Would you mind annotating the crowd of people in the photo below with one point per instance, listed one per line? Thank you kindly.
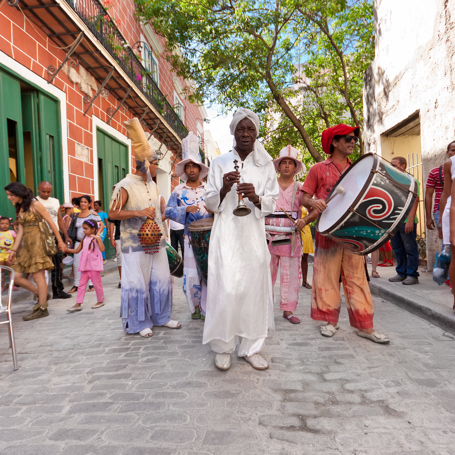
(236, 298)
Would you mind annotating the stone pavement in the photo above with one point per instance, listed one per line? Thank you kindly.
(83, 387)
(426, 299)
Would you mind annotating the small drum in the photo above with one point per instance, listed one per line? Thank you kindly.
(376, 199)
(175, 261)
(200, 238)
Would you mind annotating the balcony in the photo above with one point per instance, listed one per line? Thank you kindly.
(91, 38)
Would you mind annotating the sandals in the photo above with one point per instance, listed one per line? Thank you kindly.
(375, 337)
(73, 309)
(97, 305)
(292, 319)
(91, 289)
(172, 324)
(307, 285)
(146, 333)
(388, 263)
(329, 330)
(72, 290)
(375, 275)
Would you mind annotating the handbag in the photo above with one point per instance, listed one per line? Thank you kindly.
(48, 238)
(72, 229)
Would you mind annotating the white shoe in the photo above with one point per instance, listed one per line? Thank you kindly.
(172, 324)
(257, 361)
(223, 361)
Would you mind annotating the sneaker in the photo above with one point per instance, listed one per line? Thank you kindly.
(411, 280)
(36, 314)
(62, 295)
(397, 279)
(104, 261)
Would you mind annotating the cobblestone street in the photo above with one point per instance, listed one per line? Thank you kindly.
(83, 387)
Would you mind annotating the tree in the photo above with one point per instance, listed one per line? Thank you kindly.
(298, 63)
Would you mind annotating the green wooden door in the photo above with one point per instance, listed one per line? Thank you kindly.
(11, 138)
(112, 167)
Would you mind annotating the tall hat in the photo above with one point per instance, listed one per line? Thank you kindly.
(337, 130)
(286, 153)
(190, 154)
(143, 152)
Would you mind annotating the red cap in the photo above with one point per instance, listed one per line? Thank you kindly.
(337, 130)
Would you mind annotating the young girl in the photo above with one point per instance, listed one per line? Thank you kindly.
(7, 237)
(90, 265)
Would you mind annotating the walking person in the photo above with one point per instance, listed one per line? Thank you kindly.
(404, 242)
(146, 280)
(32, 257)
(98, 206)
(186, 205)
(52, 205)
(239, 285)
(84, 214)
(286, 258)
(90, 264)
(331, 260)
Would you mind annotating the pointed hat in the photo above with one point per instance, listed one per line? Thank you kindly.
(143, 152)
(190, 154)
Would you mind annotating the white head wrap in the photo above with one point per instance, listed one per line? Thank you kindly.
(261, 156)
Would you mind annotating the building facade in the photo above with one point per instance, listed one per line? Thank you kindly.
(409, 91)
(71, 72)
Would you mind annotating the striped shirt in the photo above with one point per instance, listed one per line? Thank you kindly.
(434, 181)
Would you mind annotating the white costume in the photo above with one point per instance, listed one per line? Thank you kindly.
(446, 214)
(239, 291)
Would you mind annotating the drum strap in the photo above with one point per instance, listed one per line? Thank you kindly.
(294, 192)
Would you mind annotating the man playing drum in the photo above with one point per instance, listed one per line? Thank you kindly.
(332, 260)
(186, 205)
(286, 257)
(239, 291)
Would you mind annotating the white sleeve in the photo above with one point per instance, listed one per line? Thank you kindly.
(213, 188)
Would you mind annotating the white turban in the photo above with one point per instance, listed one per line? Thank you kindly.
(261, 156)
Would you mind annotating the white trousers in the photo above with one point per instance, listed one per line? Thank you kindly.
(246, 347)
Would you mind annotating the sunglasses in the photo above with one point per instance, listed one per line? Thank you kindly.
(349, 139)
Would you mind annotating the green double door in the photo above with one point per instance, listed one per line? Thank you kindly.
(112, 167)
(30, 131)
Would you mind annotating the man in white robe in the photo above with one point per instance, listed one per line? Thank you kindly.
(239, 291)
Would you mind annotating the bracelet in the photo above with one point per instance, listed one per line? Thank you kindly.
(258, 204)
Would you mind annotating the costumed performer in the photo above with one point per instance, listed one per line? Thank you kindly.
(331, 259)
(286, 258)
(186, 205)
(146, 281)
(239, 292)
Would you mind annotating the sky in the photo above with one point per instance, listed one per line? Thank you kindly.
(219, 127)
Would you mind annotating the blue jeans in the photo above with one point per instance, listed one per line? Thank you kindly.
(406, 252)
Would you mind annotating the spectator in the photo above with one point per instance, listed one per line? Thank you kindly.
(32, 257)
(404, 242)
(435, 186)
(98, 206)
(177, 231)
(52, 205)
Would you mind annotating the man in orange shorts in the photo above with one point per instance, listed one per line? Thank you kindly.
(331, 260)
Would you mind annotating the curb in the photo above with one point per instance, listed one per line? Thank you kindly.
(445, 322)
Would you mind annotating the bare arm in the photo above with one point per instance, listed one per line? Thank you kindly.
(17, 243)
(447, 189)
(120, 214)
(45, 214)
(62, 226)
(317, 204)
(75, 251)
(100, 243)
(111, 234)
(163, 208)
(428, 204)
(410, 223)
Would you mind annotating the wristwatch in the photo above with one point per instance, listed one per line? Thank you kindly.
(258, 204)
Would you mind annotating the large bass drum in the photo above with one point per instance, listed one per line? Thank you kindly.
(377, 198)
(200, 231)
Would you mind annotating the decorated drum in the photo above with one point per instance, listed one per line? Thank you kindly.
(200, 238)
(376, 199)
(175, 261)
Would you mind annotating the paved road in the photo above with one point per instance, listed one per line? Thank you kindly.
(83, 387)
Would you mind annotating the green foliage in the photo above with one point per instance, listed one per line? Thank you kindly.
(298, 64)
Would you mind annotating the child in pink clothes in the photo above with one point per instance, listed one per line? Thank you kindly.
(90, 265)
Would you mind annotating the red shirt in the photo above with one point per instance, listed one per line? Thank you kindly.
(434, 181)
(322, 177)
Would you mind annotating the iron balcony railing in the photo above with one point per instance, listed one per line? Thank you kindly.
(103, 26)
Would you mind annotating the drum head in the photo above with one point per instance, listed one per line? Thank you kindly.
(204, 224)
(353, 182)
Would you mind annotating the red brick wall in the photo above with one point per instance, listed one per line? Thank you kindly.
(31, 48)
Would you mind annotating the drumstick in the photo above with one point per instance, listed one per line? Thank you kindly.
(290, 217)
(338, 190)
